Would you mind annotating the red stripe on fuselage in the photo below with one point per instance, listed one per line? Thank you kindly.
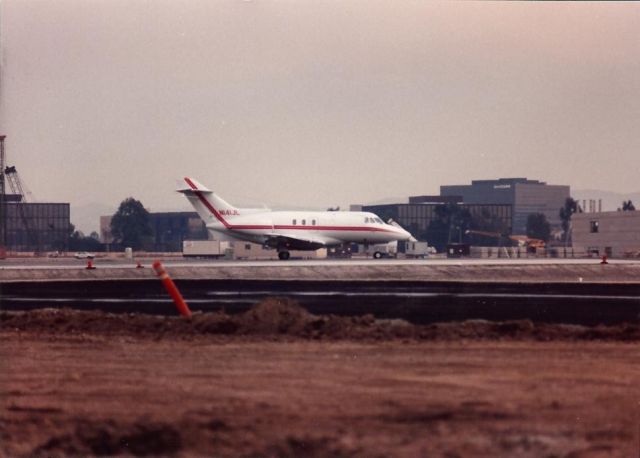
(246, 227)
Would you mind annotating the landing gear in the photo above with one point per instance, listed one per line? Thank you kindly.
(283, 255)
(377, 255)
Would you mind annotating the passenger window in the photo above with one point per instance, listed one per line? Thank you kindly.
(294, 222)
(313, 222)
(304, 222)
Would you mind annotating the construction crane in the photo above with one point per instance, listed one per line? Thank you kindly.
(10, 174)
(16, 184)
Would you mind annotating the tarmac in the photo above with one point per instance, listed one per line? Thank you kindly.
(431, 270)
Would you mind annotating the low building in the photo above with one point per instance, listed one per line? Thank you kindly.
(614, 234)
(37, 227)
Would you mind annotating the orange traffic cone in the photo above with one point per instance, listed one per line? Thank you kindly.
(604, 260)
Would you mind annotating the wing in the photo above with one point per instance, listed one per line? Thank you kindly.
(296, 242)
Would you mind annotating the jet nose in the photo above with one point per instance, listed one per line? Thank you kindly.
(403, 234)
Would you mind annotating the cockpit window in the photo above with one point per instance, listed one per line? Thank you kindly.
(366, 220)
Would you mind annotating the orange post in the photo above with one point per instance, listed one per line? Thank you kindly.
(604, 260)
(171, 288)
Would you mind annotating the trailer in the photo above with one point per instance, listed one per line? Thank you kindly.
(205, 248)
(417, 249)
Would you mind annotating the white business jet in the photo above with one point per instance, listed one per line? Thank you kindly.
(288, 230)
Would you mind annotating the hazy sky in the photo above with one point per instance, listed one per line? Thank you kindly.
(316, 102)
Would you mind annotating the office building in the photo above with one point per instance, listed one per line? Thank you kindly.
(525, 196)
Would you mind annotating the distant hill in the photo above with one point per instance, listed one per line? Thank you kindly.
(611, 201)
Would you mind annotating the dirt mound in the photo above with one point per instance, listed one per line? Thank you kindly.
(275, 316)
(111, 438)
(281, 317)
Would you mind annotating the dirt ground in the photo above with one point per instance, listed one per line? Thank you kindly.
(277, 381)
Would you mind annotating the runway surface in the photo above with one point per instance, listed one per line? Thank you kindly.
(128, 264)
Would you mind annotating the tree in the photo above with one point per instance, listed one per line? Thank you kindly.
(538, 227)
(570, 207)
(130, 224)
(79, 242)
(491, 224)
(449, 225)
(627, 206)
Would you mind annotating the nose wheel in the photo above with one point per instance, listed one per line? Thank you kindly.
(283, 255)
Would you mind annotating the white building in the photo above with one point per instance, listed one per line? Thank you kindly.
(615, 234)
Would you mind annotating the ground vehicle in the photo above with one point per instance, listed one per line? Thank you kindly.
(383, 250)
(418, 249)
(84, 255)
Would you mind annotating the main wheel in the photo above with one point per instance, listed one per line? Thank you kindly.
(283, 255)
(377, 255)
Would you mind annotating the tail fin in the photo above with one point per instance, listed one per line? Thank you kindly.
(209, 206)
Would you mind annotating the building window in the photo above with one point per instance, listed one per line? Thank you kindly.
(247, 246)
(594, 226)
